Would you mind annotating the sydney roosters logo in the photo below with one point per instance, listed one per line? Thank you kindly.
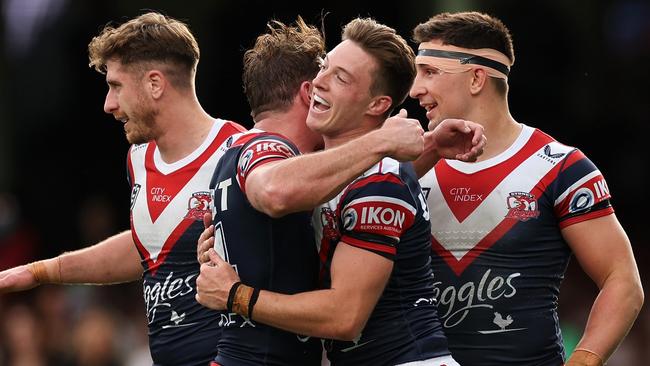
(198, 205)
(329, 222)
(522, 206)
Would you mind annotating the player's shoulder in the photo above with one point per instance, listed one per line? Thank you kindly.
(548, 141)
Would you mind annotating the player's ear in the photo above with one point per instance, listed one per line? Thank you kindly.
(305, 93)
(155, 83)
(479, 78)
(379, 105)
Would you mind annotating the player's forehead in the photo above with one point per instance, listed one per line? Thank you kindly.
(351, 58)
(117, 72)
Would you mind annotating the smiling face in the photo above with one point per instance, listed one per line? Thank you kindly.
(129, 103)
(442, 94)
(341, 91)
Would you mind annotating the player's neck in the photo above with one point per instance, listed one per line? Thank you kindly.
(290, 124)
(501, 129)
(183, 127)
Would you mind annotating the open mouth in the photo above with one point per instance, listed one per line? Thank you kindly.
(320, 104)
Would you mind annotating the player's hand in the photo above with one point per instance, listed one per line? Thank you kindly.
(214, 282)
(206, 240)
(404, 136)
(457, 139)
(19, 278)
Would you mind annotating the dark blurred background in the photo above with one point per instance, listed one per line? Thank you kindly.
(580, 75)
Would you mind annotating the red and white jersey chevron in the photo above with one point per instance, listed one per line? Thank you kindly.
(498, 254)
(167, 206)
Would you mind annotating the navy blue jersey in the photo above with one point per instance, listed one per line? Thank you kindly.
(274, 254)
(498, 252)
(384, 211)
(167, 206)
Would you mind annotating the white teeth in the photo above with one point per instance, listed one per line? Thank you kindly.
(321, 100)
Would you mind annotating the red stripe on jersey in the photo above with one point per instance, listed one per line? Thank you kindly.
(464, 192)
(458, 266)
(588, 216)
(375, 247)
(163, 188)
(259, 153)
(575, 156)
(375, 178)
(166, 248)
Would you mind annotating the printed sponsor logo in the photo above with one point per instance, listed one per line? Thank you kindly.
(227, 320)
(456, 302)
(198, 205)
(522, 206)
(245, 160)
(273, 147)
(464, 194)
(134, 194)
(582, 200)
(159, 295)
(350, 218)
(549, 156)
(158, 195)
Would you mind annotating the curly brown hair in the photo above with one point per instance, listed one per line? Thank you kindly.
(279, 62)
(151, 38)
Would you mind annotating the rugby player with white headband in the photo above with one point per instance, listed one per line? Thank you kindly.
(524, 208)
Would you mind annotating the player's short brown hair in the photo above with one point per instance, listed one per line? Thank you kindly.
(394, 56)
(469, 30)
(279, 62)
(151, 38)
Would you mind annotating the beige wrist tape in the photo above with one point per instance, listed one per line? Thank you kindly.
(585, 357)
(242, 300)
(43, 274)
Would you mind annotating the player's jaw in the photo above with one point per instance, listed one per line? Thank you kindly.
(139, 127)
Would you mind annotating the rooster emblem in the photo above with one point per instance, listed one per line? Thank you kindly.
(500, 321)
(177, 318)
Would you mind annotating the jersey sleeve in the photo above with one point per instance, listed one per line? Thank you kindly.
(582, 193)
(260, 150)
(375, 212)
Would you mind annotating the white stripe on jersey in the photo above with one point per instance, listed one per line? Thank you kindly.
(576, 185)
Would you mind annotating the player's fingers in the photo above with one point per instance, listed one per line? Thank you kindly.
(207, 220)
(206, 234)
(203, 250)
(402, 113)
(215, 258)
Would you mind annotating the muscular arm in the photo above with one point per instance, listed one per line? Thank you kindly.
(113, 260)
(604, 252)
(303, 182)
(341, 312)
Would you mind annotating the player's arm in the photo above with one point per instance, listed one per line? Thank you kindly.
(604, 252)
(450, 139)
(340, 312)
(303, 182)
(113, 260)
